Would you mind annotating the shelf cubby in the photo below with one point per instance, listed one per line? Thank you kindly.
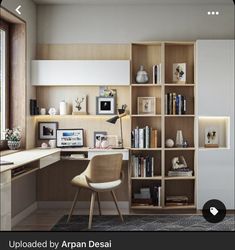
(142, 91)
(188, 156)
(157, 159)
(179, 53)
(146, 54)
(184, 187)
(186, 124)
(188, 93)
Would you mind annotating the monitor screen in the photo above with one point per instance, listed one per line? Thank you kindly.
(70, 138)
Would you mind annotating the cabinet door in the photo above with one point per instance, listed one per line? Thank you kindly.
(215, 79)
(80, 72)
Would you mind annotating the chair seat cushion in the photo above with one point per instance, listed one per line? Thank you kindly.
(80, 181)
(105, 185)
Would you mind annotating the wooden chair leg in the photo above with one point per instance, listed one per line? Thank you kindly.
(91, 209)
(73, 206)
(98, 199)
(115, 201)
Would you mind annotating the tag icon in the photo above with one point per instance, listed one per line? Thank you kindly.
(214, 211)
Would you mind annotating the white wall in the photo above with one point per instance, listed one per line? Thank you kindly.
(127, 23)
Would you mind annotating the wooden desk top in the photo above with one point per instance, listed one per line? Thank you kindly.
(24, 157)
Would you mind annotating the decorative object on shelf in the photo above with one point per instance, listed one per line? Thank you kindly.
(175, 104)
(121, 113)
(80, 105)
(52, 111)
(170, 143)
(63, 107)
(146, 105)
(44, 145)
(13, 137)
(179, 139)
(179, 168)
(52, 143)
(99, 137)
(142, 75)
(143, 197)
(70, 138)
(157, 78)
(107, 92)
(185, 144)
(43, 111)
(211, 137)
(178, 162)
(179, 72)
(47, 130)
(105, 105)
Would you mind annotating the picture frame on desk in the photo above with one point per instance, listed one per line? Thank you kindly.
(47, 130)
(105, 105)
(70, 138)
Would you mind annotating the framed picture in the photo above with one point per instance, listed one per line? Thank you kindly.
(211, 137)
(99, 137)
(47, 130)
(70, 138)
(105, 105)
(146, 105)
(80, 105)
(179, 72)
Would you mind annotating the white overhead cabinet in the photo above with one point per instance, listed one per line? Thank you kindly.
(215, 65)
(80, 72)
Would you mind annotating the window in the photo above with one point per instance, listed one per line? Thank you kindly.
(4, 93)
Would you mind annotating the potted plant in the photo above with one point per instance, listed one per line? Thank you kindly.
(13, 137)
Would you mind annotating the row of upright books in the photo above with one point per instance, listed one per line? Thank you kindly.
(175, 104)
(142, 166)
(144, 137)
(157, 78)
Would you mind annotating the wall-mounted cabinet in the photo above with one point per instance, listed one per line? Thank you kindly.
(80, 72)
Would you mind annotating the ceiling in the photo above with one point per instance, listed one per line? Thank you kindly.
(133, 1)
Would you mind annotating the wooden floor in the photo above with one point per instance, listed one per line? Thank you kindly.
(45, 219)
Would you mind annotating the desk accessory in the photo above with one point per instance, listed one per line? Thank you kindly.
(47, 130)
(70, 138)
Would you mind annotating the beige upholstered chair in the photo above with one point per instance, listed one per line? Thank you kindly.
(101, 175)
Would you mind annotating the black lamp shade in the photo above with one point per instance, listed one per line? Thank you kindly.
(113, 119)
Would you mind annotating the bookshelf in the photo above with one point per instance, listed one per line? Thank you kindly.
(164, 53)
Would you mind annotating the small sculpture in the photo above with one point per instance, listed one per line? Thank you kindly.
(178, 163)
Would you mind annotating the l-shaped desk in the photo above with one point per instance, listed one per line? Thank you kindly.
(28, 161)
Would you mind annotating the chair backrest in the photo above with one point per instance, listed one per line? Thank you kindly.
(104, 168)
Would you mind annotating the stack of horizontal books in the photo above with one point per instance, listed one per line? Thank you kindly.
(176, 200)
(180, 172)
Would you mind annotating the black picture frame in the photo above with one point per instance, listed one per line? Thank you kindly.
(110, 103)
(68, 145)
(45, 133)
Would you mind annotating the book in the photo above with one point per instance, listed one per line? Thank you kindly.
(141, 138)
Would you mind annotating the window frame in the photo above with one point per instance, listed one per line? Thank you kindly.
(6, 28)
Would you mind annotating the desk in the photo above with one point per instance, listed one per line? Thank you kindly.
(36, 159)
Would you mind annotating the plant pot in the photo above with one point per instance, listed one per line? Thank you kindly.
(13, 145)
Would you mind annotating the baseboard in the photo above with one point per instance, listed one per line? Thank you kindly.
(22, 215)
(85, 205)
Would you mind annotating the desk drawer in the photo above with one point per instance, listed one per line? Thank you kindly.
(125, 153)
(48, 160)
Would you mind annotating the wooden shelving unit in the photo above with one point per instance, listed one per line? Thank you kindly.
(165, 53)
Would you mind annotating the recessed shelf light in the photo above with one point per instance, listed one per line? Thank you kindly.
(208, 12)
(217, 13)
(212, 12)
